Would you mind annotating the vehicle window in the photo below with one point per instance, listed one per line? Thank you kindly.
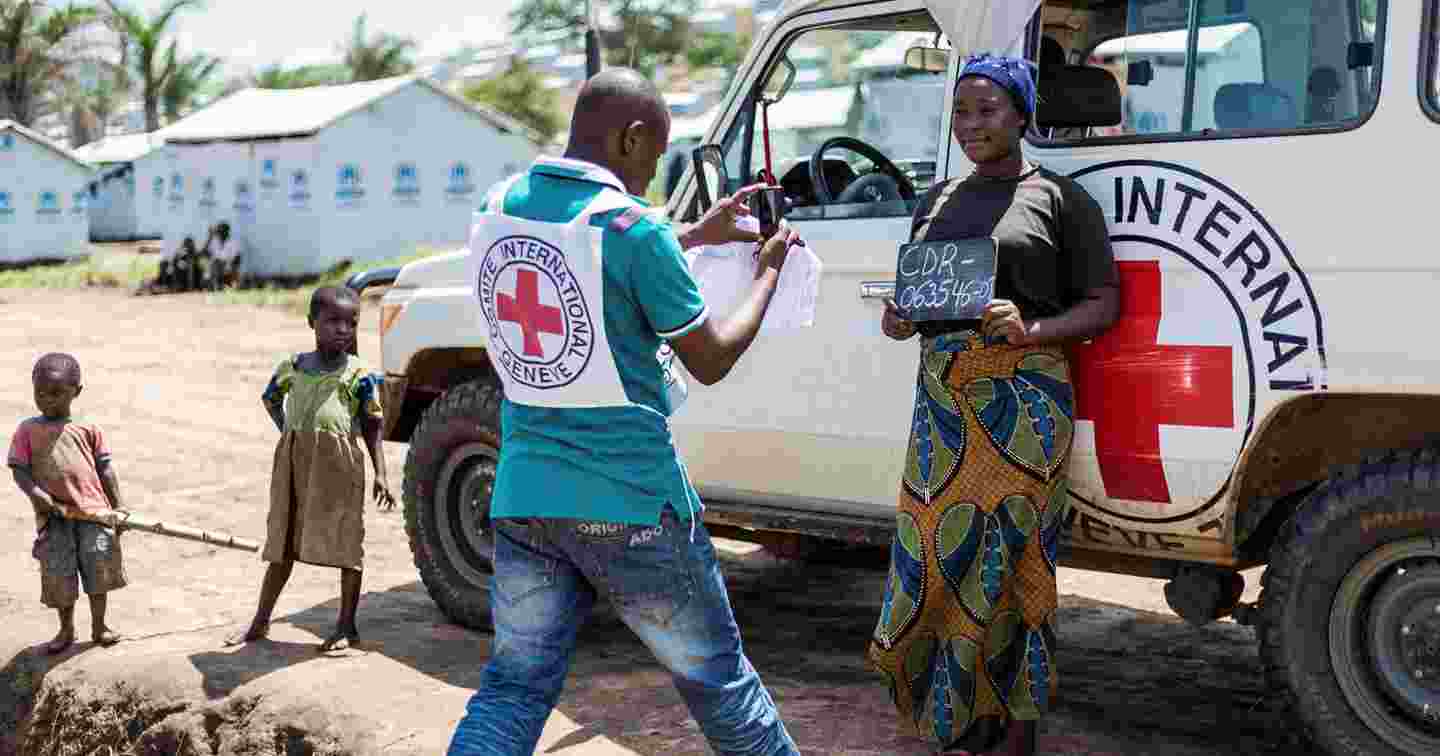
(849, 82)
(1239, 67)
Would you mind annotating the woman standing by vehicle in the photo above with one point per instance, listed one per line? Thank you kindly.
(966, 630)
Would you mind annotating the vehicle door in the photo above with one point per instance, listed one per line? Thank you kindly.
(818, 417)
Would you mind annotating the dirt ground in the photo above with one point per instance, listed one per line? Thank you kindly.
(175, 381)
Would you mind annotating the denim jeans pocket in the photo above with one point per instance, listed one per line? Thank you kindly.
(649, 578)
(521, 569)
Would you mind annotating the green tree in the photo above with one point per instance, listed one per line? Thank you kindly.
(520, 93)
(40, 50)
(144, 40)
(715, 50)
(279, 77)
(186, 87)
(645, 35)
(368, 58)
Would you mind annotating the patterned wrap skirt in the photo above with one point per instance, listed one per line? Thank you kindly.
(966, 635)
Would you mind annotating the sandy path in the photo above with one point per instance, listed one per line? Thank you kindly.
(175, 382)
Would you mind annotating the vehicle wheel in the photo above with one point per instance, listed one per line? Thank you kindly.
(1350, 610)
(449, 477)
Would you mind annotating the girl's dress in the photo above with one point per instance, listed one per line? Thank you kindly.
(319, 480)
(966, 634)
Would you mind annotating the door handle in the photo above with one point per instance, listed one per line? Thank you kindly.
(877, 289)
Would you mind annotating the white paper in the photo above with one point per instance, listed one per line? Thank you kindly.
(726, 273)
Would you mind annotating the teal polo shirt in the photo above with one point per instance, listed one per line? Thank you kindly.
(611, 464)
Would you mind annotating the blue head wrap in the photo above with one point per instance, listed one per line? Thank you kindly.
(1011, 74)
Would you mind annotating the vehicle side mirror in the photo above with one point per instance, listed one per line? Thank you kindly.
(1140, 73)
(711, 177)
(1360, 55)
(927, 59)
(779, 82)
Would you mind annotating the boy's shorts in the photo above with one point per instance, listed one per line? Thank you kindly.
(74, 553)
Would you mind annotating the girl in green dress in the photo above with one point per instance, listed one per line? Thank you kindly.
(324, 403)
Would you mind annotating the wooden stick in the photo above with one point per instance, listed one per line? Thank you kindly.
(122, 520)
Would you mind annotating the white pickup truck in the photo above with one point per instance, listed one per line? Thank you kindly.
(1267, 398)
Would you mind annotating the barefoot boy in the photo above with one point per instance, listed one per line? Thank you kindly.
(64, 466)
(324, 403)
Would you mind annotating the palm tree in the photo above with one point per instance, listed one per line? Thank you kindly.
(144, 40)
(369, 59)
(90, 106)
(185, 86)
(40, 48)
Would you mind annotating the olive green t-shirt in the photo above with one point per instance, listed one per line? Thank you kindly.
(1053, 243)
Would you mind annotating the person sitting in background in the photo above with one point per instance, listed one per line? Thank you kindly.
(166, 275)
(188, 268)
(224, 251)
(174, 266)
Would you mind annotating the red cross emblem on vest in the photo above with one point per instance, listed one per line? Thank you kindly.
(526, 310)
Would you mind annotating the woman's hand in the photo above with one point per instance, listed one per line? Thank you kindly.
(893, 324)
(1001, 320)
(383, 498)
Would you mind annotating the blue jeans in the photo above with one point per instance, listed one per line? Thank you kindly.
(666, 587)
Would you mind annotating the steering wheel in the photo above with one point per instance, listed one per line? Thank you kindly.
(886, 183)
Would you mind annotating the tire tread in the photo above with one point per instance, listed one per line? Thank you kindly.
(462, 402)
(1381, 483)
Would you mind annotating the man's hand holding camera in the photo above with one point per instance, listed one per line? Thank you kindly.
(720, 223)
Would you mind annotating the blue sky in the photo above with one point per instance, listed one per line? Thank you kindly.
(250, 33)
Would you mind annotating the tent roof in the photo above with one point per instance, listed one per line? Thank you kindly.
(812, 108)
(276, 113)
(891, 52)
(971, 25)
(125, 148)
(800, 109)
(43, 142)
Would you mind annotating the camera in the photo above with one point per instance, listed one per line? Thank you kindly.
(769, 206)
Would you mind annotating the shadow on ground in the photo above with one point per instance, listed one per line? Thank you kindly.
(1131, 682)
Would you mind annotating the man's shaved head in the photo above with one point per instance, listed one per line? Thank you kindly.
(621, 123)
(612, 100)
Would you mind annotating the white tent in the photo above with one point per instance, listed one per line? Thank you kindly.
(127, 197)
(994, 26)
(309, 177)
(43, 199)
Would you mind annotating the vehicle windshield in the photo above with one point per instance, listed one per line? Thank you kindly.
(851, 81)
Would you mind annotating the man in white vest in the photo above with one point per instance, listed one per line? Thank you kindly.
(581, 287)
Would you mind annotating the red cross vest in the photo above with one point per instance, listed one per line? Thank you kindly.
(542, 296)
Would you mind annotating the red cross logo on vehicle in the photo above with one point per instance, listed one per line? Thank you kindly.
(1218, 324)
(1128, 384)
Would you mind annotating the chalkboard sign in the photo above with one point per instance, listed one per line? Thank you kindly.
(945, 280)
